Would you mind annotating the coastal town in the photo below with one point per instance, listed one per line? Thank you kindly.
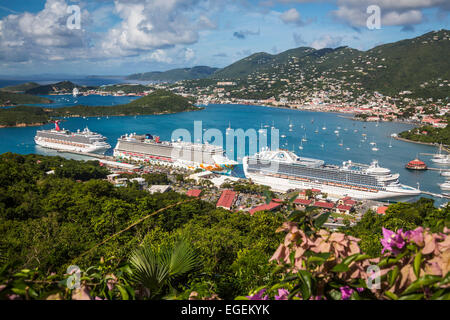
(237, 194)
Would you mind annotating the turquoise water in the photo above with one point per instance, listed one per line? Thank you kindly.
(20, 140)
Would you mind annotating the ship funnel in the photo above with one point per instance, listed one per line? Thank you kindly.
(57, 128)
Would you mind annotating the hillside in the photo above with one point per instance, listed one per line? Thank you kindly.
(158, 102)
(11, 99)
(199, 72)
(64, 87)
(413, 64)
(23, 116)
(21, 87)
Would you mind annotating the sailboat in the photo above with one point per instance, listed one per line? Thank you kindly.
(324, 127)
(304, 138)
(342, 143)
(261, 130)
(390, 143)
(228, 131)
(317, 130)
(301, 146)
(375, 147)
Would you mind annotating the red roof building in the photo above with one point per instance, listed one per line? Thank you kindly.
(324, 205)
(382, 210)
(265, 207)
(194, 193)
(344, 209)
(226, 199)
(302, 202)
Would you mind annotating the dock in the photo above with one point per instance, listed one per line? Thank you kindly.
(439, 169)
(437, 195)
(92, 155)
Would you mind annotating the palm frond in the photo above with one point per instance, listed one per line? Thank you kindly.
(156, 268)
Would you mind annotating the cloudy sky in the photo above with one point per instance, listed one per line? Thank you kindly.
(127, 36)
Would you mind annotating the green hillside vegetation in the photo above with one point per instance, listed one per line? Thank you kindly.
(199, 72)
(412, 64)
(49, 221)
(23, 115)
(74, 217)
(158, 102)
(10, 99)
(433, 135)
(65, 87)
(21, 87)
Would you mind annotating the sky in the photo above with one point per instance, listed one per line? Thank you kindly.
(121, 37)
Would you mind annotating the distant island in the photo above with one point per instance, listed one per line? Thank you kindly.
(13, 99)
(158, 102)
(199, 72)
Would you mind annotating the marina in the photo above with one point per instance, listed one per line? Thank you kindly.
(322, 145)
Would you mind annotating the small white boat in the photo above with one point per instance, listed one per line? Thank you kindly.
(445, 174)
(445, 186)
(445, 160)
(375, 149)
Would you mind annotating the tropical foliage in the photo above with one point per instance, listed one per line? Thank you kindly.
(70, 234)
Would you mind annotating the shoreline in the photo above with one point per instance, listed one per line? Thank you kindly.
(37, 124)
(433, 144)
(24, 125)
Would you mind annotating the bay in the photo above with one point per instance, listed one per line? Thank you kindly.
(325, 144)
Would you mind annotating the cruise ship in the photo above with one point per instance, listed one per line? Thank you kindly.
(146, 148)
(84, 141)
(283, 170)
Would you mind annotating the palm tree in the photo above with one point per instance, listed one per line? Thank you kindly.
(156, 269)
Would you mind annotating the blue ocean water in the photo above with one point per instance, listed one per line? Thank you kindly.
(324, 144)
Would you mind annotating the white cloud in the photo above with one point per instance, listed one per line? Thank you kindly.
(189, 54)
(27, 36)
(393, 13)
(290, 16)
(154, 24)
(327, 41)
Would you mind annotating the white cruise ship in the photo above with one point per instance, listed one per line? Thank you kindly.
(146, 148)
(84, 141)
(283, 170)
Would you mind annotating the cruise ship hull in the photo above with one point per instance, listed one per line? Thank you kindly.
(286, 184)
(182, 157)
(71, 147)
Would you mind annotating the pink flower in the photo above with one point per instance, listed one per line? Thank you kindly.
(259, 296)
(282, 294)
(392, 241)
(415, 236)
(346, 292)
